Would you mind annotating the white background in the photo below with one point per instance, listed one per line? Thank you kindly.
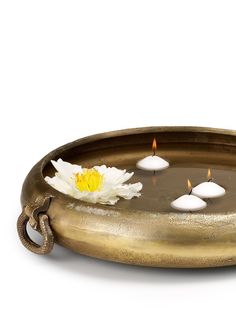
(74, 68)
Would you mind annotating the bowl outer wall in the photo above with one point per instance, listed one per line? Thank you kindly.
(180, 240)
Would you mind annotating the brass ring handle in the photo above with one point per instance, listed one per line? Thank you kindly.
(45, 229)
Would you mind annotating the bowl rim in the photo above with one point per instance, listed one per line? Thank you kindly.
(111, 134)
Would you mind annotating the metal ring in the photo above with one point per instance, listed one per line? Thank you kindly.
(45, 229)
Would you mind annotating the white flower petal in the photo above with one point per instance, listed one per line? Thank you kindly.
(65, 170)
(113, 176)
(129, 191)
(59, 184)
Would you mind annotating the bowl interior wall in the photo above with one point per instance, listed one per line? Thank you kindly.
(190, 155)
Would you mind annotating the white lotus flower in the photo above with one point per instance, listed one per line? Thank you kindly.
(100, 184)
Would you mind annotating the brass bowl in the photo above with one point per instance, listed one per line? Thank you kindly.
(146, 230)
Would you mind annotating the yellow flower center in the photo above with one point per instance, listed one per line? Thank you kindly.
(90, 180)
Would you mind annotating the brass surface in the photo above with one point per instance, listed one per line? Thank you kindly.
(147, 231)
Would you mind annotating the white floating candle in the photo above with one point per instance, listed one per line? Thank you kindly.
(188, 202)
(152, 162)
(208, 189)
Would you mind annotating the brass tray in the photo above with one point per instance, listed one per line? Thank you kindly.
(146, 230)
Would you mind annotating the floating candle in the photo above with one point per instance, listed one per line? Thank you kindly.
(188, 202)
(208, 189)
(152, 162)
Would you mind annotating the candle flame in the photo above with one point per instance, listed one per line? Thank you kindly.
(189, 186)
(209, 177)
(154, 146)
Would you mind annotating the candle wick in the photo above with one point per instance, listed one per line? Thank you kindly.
(190, 192)
(154, 153)
(210, 179)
